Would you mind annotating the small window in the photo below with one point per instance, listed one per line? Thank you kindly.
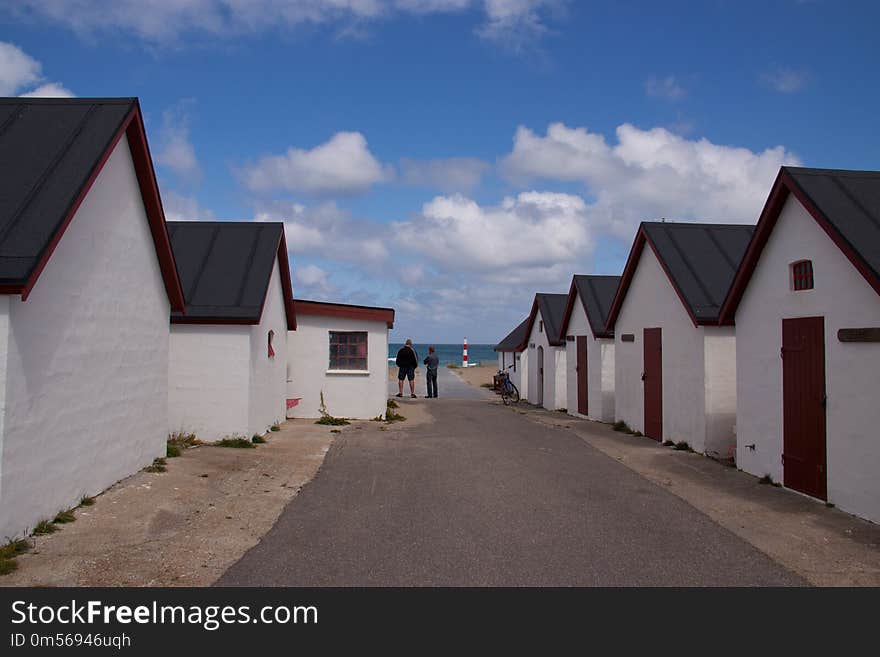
(802, 275)
(348, 350)
(540, 326)
(271, 350)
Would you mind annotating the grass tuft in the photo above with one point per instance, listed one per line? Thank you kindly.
(87, 501)
(391, 416)
(765, 480)
(682, 446)
(392, 404)
(64, 517)
(13, 548)
(235, 443)
(637, 434)
(668, 443)
(172, 451)
(332, 421)
(257, 439)
(158, 465)
(7, 566)
(274, 427)
(43, 528)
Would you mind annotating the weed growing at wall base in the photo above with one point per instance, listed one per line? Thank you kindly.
(236, 443)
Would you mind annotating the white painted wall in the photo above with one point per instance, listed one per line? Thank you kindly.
(688, 354)
(600, 369)
(352, 395)
(719, 361)
(521, 375)
(554, 387)
(268, 376)
(208, 380)
(86, 359)
(845, 299)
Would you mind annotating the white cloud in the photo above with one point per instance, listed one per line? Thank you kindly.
(17, 69)
(184, 208)
(50, 90)
(175, 148)
(531, 230)
(784, 80)
(667, 88)
(510, 23)
(326, 231)
(312, 282)
(517, 24)
(343, 165)
(19, 72)
(455, 174)
(649, 174)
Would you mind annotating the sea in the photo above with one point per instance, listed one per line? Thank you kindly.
(449, 353)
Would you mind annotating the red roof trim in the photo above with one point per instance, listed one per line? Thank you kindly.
(784, 185)
(286, 284)
(347, 311)
(569, 309)
(630, 270)
(133, 128)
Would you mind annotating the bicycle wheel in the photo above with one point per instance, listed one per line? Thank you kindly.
(513, 393)
(505, 395)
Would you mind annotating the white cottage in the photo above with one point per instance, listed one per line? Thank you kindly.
(808, 338)
(228, 368)
(87, 280)
(546, 372)
(513, 356)
(339, 351)
(589, 358)
(674, 366)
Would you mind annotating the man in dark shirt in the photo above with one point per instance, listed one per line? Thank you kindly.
(431, 362)
(407, 360)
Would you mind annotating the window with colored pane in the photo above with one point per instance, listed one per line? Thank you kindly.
(348, 350)
(802, 275)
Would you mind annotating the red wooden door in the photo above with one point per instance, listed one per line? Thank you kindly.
(803, 405)
(583, 404)
(653, 378)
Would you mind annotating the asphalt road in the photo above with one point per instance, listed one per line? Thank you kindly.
(483, 496)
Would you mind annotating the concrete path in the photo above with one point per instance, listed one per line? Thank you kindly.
(449, 386)
(483, 496)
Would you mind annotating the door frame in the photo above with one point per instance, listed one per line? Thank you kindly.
(797, 402)
(583, 397)
(539, 375)
(649, 377)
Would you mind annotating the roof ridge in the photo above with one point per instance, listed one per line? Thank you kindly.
(53, 164)
(249, 267)
(689, 267)
(198, 277)
(855, 201)
(12, 118)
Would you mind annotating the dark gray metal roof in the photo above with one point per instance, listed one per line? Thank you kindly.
(552, 307)
(48, 151)
(515, 340)
(850, 200)
(597, 294)
(224, 267)
(701, 261)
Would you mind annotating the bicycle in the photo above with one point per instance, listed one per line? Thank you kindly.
(509, 392)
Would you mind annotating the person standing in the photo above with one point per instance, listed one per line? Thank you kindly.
(407, 360)
(431, 363)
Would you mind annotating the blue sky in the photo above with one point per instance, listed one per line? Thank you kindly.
(452, 157)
